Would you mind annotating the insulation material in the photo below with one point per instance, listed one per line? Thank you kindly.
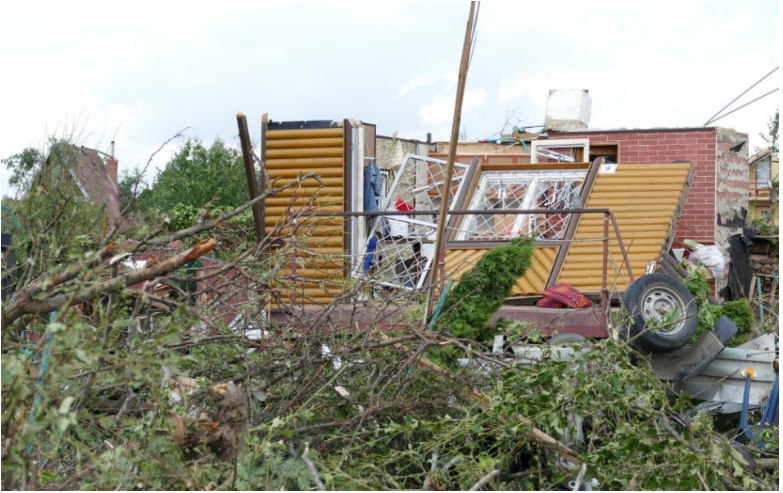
(459, 261)
(310, 262)
(646, 200)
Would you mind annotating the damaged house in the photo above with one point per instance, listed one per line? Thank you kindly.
(93, 172)
(650, 190)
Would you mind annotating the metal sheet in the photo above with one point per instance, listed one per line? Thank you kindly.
(722, 381)
(645, 219)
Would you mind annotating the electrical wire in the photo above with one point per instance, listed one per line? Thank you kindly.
(712, 119)
(737, 109)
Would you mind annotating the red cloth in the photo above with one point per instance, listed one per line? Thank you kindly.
(565, 295)
(549, 303)
(401, 206)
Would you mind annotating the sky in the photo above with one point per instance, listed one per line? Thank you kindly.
(140, 72)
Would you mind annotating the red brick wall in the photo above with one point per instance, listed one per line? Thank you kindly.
(697, 221)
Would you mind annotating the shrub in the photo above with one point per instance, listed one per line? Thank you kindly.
(481, 291)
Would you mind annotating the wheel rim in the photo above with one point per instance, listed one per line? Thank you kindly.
(664, 309)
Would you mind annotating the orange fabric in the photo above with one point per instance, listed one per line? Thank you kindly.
(567, 295)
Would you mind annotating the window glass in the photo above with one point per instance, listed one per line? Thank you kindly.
(522, 189)
(762, 174)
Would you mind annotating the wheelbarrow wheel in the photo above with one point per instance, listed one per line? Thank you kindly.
(663, 313)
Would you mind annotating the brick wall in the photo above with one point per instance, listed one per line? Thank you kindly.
(698, 218)
(732, 190)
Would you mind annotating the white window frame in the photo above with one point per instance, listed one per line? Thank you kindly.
(537, 145)
(522, 221)
(762, 184)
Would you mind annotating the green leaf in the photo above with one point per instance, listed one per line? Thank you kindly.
(12, 367)
(81, 356)
(65, 406)
(62, 423)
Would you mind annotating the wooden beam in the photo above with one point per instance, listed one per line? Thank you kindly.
(439, 252)
(250, 171)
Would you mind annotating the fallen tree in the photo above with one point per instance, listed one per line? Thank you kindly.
(142, 391)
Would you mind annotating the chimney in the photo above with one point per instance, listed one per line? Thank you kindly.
(112, 166)
(568, 109)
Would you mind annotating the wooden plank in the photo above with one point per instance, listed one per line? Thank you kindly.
(250, 172)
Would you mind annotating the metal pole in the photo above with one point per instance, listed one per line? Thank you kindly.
(622, 248)
(444, 205)
(250, 171)
(604, 272)
(458, 212)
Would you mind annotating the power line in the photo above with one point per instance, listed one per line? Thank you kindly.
(712, 119)
(737, 109)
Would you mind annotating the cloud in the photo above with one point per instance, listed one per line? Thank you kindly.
(649, 87)
(441, 109)
(417, 83)
(151, 69)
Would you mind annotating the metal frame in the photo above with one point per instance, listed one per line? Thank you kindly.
(608, 218)
(592, 172)
(531, 194)
(407, 161)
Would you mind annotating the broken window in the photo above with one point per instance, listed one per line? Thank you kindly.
(559, 151)
(763, 174)
(609, 151)
(522, 190)
(398, 250)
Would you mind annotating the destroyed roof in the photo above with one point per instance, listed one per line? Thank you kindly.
(632, 129)
(94, 181)
(528, 136)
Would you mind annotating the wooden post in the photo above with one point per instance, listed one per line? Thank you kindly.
(250, 171)
(439, 252)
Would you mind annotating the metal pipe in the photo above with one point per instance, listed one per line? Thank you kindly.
(761, 300)
(622, 247)
(457, 212)
(605, 273)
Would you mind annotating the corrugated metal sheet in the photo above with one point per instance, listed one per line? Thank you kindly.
(646, 200)
(458, 261)
(315, 273)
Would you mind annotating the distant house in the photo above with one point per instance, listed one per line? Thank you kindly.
(763, 171)
(93, 172)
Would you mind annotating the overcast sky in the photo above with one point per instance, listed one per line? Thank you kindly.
(138, 72)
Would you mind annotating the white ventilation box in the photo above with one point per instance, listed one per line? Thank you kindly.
(568, 109)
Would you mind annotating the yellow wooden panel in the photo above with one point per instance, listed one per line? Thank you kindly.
(308, 191)
(320, 253)
(459, 261)
(303, 153)
(316, 201)
(303, 165)
(305, 133)
(303, 143)
(645, 200)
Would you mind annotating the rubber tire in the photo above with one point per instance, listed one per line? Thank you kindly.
(565, 338)
(658, 341)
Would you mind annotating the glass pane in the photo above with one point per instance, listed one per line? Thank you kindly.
(497, 190)
(522, 189)
(762, 174)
